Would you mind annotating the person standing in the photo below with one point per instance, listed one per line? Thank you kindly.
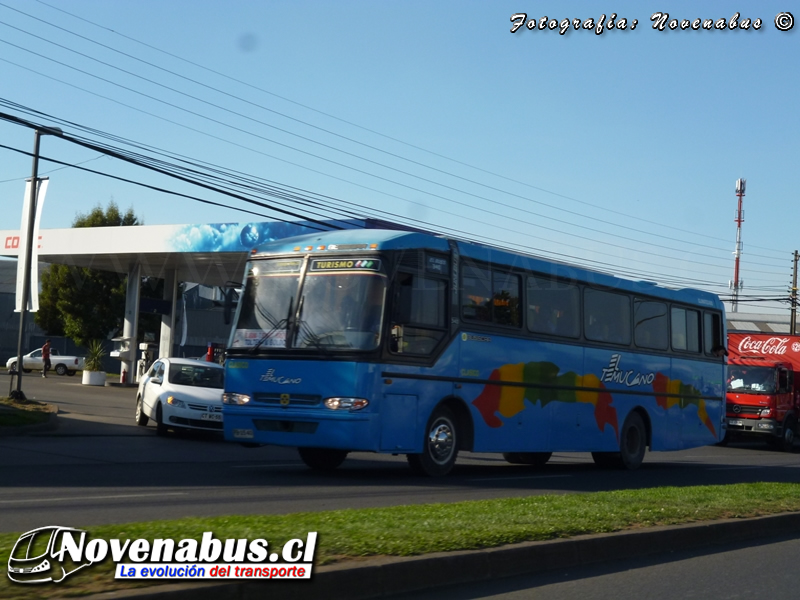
(46, 358)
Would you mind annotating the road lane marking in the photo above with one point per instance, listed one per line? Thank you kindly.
(115, 496)
(733, 468)
(297, 464)
(521, 477)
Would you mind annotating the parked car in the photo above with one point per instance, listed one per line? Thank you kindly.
(181, 393)
(60, 363)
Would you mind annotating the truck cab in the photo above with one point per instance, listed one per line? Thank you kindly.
(762, 401)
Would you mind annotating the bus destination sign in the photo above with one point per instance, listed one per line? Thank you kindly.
(347, 264)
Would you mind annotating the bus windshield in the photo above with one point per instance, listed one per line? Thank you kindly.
(337, 309)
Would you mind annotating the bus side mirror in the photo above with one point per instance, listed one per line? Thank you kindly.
(227, 309)
(397, 338)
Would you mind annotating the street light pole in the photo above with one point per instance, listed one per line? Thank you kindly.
(26, 286)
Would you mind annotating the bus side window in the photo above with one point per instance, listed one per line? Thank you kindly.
(553, 307)
(712, 334)
(607, 316)
(476, 294)
(685, 329)
(505, 298)
(418, 314)
(650, 324)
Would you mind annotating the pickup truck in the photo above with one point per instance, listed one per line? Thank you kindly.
(61, 364)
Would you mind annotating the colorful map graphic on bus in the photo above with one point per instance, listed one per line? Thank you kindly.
(509, 400)
(678, 391)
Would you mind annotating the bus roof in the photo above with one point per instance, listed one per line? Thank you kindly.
(360, 240)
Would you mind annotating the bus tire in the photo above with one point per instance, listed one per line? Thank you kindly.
(534, 459)
(322, 459)
(786, 443)
(439, 447)
(632, 441)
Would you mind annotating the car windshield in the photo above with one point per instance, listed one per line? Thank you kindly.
(751, 379)
(197, 376)
(341, 305)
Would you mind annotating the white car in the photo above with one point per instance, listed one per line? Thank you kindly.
(181, 393)
(61, 364)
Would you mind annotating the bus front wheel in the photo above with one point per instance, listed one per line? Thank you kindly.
(440, 446)
(322, 459)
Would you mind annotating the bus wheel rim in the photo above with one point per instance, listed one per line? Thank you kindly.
(440, 442)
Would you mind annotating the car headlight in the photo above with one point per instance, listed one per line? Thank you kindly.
(231, 398)
(172, 400)
(765, 412)
(351, 404)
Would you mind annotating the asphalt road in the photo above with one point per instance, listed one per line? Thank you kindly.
(100, 468)
(747, 571)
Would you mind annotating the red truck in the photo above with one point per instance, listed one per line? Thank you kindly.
(763, 399)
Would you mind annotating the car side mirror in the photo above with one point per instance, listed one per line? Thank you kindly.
(156, 380)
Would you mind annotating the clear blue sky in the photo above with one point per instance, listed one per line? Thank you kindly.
(618, 150)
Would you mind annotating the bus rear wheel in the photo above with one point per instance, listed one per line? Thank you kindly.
(440, 446)
(632, 446)
(322, 459)
(534, 459)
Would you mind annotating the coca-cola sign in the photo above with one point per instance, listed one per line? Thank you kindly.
(763, 346)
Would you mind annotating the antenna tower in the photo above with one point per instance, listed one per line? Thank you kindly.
(736, 284)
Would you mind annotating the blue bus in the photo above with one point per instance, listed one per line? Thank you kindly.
(403, 342)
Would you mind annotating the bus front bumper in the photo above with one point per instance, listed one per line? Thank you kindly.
(347, 431)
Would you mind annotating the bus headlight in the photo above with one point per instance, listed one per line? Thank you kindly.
(231, 398)
(346, 403)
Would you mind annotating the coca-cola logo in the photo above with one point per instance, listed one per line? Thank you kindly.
(773, 345)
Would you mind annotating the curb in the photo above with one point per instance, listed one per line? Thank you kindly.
(379, 578)
(50, 425)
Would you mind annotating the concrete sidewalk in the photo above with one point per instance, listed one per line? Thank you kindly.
(383, 577)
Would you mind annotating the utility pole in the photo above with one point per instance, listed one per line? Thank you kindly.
(26, 286)
(792, 325)
(736, 284)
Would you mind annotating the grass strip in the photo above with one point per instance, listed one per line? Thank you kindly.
(14, 413)
(421, 529)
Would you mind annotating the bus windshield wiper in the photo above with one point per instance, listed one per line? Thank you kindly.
(282, 324)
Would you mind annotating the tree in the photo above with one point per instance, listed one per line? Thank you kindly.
(85, 304)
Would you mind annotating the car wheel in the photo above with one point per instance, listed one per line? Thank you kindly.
(141, 418)
(12, 366)
(322, 459)
(440, 446)
(161, 428)
(70, 373)
(61, 370)
(534, 459)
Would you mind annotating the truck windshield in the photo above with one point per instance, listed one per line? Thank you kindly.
(340, 306)
(751, 379)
